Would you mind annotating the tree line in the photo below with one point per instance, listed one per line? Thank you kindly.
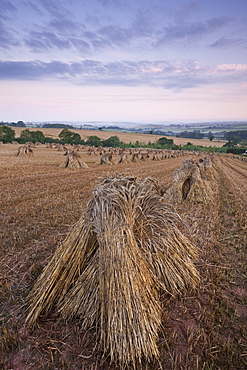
(196, 134)
(7, 135)
(13, 124)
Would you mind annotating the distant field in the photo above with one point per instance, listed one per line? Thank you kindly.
(125, 137)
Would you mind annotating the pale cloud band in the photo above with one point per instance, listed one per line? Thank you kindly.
(168, 74)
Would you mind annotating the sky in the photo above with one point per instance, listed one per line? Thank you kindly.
(123, 60)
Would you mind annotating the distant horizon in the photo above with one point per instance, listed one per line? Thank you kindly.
(137, 123)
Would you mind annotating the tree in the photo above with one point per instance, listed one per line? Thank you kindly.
(26, 135)
(7, 134)
(237, 136)
(56, 125)
(230, 144)
(94, 141)
(196, 134)
(75, 139)
(18, 124)
(69, 137)
(112, 141)
(164, 141)
(38, 137)
(33, 136)
(211, 137)
(65, 134)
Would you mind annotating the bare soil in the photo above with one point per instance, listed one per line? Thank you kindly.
(203, 329)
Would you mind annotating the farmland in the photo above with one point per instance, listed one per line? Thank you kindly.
(205, 328)
(124, 137)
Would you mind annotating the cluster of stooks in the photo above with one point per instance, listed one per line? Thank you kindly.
(110, 271)
(73, 158)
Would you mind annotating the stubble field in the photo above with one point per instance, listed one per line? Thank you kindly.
(201, 330)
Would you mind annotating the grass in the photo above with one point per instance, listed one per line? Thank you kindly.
(203, 329)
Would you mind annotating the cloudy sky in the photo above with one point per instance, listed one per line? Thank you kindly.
(123, 60)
